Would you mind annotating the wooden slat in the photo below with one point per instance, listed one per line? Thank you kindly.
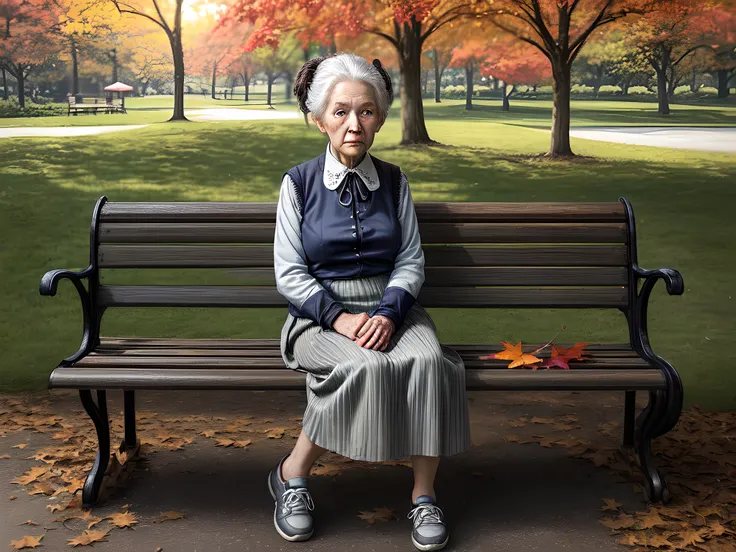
(231, 358)
(229, 256)
(284, 378)
(483, 276)
(255, 296)
(116, 343)
(426, 211)
(526, 276)
(235, 232)
(197, 232)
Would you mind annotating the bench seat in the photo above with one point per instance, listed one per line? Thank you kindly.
(135, 363)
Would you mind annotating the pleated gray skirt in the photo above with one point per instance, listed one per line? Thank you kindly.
(409, 399)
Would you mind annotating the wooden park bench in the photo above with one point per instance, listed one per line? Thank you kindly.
(99, 105)
(584, 256)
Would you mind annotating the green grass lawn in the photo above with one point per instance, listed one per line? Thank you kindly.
(529, 113)
(683, 203)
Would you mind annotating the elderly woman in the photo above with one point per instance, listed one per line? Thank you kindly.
(348, 258)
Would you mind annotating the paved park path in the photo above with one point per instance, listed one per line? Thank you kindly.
(693, 138)
(34, 132)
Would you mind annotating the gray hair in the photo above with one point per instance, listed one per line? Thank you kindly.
(345, 67)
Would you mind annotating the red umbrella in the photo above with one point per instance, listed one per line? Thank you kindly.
(121, 88)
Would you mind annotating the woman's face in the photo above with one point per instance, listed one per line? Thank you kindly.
(351, 120)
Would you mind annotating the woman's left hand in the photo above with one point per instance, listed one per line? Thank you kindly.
(375, 333)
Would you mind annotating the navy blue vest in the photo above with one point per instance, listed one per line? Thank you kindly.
(355, 240)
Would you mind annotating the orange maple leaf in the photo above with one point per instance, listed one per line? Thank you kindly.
(515, 354)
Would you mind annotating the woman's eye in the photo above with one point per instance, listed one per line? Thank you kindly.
(368, 111)
(338, 113)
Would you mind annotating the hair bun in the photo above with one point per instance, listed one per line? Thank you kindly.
(304, 80)
(386, 79)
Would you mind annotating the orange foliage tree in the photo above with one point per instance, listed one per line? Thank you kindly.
(29, 37)
(405, 24)
(469, 55)
(166, 14)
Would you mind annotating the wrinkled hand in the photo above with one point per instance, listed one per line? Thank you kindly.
(348, 324)
(375, 333)
(369, 332)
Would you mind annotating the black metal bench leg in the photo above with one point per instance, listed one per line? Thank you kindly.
(98, 413)
(629, 418)
(648, 423)
(129, 413)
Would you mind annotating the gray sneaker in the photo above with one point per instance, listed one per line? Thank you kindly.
(430, 532)
(291, 515)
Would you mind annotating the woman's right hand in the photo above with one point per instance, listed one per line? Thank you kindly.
(348, 324)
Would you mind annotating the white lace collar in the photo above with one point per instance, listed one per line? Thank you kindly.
(335, 171)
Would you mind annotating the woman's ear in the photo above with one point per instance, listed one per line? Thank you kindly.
(319, 124)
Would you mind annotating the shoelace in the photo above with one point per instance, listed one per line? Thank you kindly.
(297, 499)
(425, 512)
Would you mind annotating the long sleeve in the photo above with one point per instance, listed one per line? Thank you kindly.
(407, 276)
(293, 280)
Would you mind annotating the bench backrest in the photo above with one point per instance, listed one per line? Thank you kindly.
(477, 254)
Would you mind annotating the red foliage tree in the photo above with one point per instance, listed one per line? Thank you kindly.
(515, 63)
(28, 38)
(405, 24)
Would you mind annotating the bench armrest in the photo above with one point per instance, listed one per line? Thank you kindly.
(675, 286)
(48, 286)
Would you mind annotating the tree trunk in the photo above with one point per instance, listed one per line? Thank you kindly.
(178, 54)
(469, 86)
(560, 144)
(495, 84)
(287, 78)
(507, 96)
(114, 58)
(5, 86)
(437, 77)
(413, 127)
(270, 79)
(693, 81)
(75, 66)
(661, 69)
(333, 46)
(723, 78)
(144, 88)
(246, 83)
(214, 80)
(598, 80)
(664, 100)
(21, 78)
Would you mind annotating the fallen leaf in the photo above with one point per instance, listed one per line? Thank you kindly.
(20, 445)
(12, 497)
(122, 519)
(28, 522)
(224, 442)
(26, 542)
(611, 504)
(378, 514)
(168, 516)
(5, 457)
(275, 432)
(514, 354)
(89, 537)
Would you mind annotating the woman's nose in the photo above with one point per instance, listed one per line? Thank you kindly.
(354, 123)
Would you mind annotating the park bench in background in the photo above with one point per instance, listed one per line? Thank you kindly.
(96, 105)
(589, 256)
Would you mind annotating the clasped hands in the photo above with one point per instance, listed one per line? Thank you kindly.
(369, 332)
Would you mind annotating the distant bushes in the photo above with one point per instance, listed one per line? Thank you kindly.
(641, 91)
(10, 108)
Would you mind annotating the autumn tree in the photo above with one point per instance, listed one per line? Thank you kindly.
(29, 38)
(167, 15)
(560, 29)
(515, 63)
(283, 60)
(405, 24)
(669, 35)
(724, 45)
(469, 56)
